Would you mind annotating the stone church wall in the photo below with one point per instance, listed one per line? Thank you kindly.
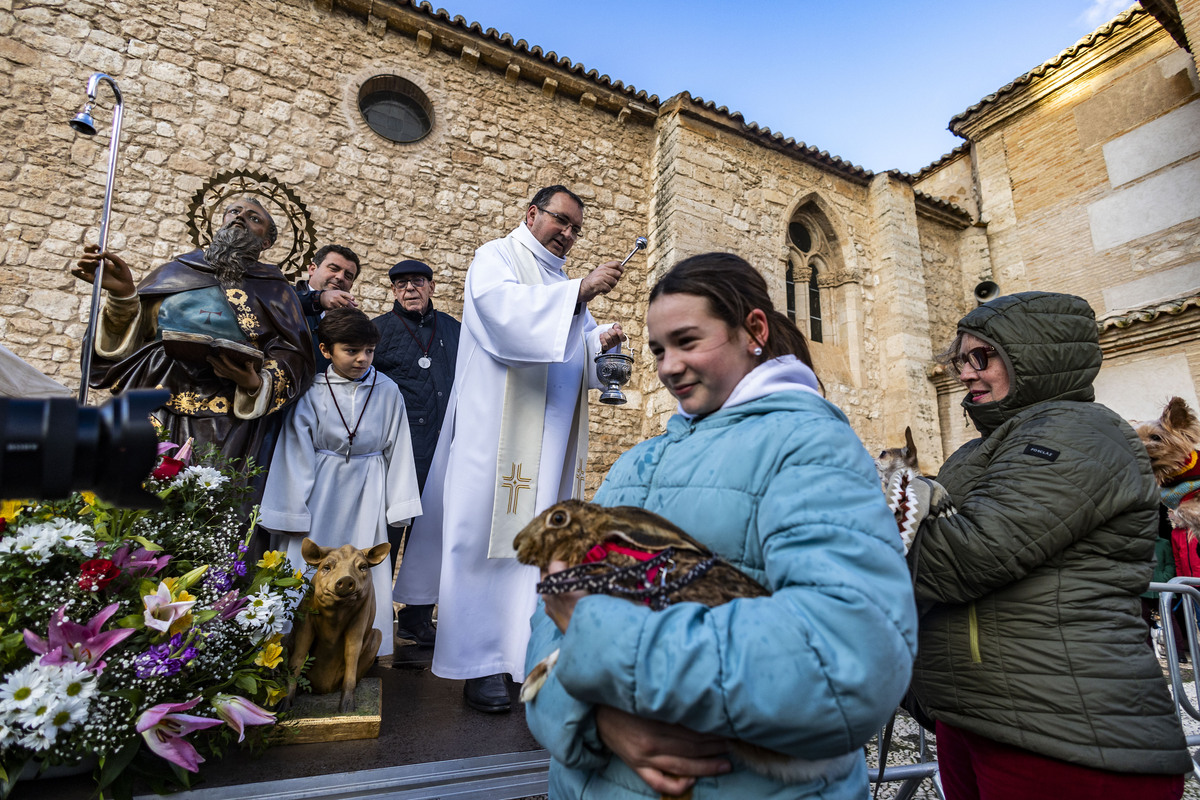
(272, 86)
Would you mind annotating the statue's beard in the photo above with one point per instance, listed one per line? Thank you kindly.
(233, 249)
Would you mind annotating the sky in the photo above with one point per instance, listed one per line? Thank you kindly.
(872, 81)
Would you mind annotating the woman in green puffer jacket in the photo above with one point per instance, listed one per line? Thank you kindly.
(1033, 658)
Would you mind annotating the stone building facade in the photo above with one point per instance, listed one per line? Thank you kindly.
(877, 268)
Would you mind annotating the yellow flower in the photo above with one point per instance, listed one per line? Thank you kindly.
(184, 596)
(272, 559)
(88, 497)
(183, 623)
(298, 575)
(9, 508)
(269, 656)
(275, 695)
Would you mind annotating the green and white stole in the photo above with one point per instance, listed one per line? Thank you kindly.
(522, 420)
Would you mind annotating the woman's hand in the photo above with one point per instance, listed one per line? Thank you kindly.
(667, 757)
(560, 607)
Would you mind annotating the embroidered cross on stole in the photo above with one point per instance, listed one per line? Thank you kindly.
(522, 420)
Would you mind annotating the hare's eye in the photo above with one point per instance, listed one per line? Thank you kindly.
(558, 519)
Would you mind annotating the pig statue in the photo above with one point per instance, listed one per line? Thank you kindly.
(338, 625)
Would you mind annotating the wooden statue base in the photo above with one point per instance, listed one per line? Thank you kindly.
(315, 717)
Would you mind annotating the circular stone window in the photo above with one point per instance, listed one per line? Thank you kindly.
(395, 108)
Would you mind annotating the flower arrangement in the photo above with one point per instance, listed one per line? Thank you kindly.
(141, 637)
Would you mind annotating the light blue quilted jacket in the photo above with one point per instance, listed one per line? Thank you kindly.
(782, 488)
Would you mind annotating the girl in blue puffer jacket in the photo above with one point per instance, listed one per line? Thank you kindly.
(764, 471)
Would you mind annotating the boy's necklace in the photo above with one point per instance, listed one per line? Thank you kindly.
(350, 434)
(423, 361)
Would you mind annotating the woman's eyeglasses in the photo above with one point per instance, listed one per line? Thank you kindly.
(976, 357)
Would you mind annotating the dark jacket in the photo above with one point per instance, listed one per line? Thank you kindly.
(1031, 634)
(312, 315)
(405, 335)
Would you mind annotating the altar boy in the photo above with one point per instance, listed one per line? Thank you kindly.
(343, 467)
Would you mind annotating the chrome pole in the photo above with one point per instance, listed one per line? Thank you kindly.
(83, 123)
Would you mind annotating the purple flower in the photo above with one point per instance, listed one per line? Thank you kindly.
(239, 568)
(163, 730)
(229, 604)
(167, 659)
(219, 581)
(157, 663)
(140, 563)
(69, 641)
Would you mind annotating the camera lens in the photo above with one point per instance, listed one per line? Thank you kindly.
(52, 447)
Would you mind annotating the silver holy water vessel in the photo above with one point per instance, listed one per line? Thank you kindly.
(614, 370)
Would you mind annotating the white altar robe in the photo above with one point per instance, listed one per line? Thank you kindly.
(485, 604)
(314, 489)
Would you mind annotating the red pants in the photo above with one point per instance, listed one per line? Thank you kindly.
(975, 768)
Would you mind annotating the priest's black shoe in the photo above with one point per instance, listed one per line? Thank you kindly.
(489, 695)
(416, 623)
(422, 632)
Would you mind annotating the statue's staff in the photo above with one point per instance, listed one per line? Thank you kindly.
(83, 123)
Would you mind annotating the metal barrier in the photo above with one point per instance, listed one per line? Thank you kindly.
(1185, 587)
(910, 776)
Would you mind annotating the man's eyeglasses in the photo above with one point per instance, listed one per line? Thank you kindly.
(576, 230)
(976, 357)
(418, 281)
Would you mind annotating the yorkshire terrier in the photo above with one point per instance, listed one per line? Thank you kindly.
(1171, 441)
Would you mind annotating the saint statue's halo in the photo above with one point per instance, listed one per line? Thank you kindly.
(297, 237)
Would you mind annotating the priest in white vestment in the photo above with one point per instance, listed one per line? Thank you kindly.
(513, 444)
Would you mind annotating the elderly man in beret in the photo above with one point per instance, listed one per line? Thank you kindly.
(417, 349)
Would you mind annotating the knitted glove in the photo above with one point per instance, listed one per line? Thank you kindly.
(912, 498)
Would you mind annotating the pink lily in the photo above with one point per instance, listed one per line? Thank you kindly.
(229, 604)
(163, 730)
(71, 642)
(140, 563)
(238, 712)
(161, 612)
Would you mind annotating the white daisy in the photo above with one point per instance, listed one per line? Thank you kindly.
(23, 688)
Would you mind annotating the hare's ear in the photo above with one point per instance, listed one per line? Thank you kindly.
(648, 531)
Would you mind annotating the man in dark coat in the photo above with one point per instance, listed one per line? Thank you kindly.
(224, 292)
(330, 277)
(417, 350)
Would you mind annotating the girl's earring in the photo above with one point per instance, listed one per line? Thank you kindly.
(758, 351)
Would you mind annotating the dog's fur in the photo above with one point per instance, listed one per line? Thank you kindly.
(893, 459)
(1170, 441)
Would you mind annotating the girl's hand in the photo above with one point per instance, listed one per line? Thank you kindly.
(667, 757)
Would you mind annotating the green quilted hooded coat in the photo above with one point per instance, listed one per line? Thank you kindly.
(1031, 633)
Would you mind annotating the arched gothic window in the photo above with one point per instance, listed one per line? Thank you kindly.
(809, 246)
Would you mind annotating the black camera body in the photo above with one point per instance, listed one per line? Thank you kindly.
(52, 447)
